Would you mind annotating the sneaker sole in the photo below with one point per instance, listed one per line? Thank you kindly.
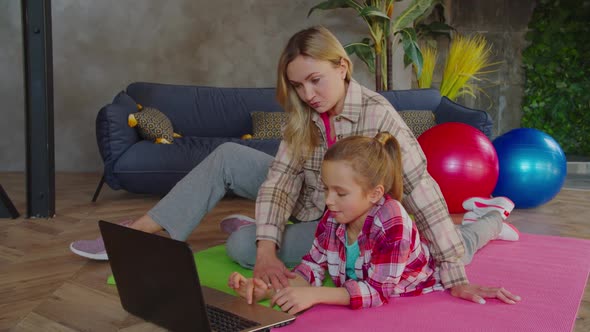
(480, 202)
(99, 257)
(227, 229)
(238, 216)
(468, 219)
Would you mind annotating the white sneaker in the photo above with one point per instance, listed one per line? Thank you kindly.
(508, 232)
(469, 217)
(481, 205)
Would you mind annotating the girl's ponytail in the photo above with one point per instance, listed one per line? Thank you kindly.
(391, 146)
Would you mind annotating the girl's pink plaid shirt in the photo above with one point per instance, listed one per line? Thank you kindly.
(393, 260)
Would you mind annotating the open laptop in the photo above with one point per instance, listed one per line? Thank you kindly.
(157, 280)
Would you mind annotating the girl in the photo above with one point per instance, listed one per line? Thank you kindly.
(366, 240)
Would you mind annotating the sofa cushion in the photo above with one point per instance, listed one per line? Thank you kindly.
(268, 125)
(206, 111)
(162, 165)
(418, 121)
(449, 111)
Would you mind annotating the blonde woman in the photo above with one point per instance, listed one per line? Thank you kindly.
(324, 104)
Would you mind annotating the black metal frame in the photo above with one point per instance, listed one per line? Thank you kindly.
(38, 68)
(7, 209)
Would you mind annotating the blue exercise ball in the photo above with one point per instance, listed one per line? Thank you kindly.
(532, 167)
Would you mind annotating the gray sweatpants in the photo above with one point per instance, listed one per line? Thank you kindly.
(242, 170)
(298, 239)
(477, 234)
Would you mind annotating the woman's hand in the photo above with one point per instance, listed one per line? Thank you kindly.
(295, 299)
(269, 267)
(477, 293)
(252, 289)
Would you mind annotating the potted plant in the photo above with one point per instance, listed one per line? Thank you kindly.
(385, 33)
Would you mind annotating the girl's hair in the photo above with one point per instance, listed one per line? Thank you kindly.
(320, 44)
(374, 160)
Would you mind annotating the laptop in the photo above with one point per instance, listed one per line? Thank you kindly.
(157, 280)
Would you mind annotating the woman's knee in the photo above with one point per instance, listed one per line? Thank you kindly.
(230, 149)
(241, 246)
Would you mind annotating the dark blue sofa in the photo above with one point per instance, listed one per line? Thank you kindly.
(208, 117)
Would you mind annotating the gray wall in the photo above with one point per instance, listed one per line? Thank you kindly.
(101, 46)
(504, 24)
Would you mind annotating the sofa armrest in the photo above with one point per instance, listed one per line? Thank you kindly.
(113, 134)
(449, 111)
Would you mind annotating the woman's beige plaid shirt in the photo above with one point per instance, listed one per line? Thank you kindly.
(295, 188)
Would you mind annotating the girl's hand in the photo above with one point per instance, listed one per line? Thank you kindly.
(252, 289)
(295, 299)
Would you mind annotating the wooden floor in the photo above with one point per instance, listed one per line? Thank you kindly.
(43, 286)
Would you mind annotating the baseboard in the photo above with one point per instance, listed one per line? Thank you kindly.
(578, 167)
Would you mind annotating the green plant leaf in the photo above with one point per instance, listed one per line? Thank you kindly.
(414, 10)
(371, 11)
(434, 29)
(412, 53)
(333, 4)
(364, 51)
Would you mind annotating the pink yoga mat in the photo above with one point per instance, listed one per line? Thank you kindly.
(548, 272)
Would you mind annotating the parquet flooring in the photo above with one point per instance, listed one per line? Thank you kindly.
(44, 287)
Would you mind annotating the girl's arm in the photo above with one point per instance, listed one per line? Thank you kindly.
(255, 290)
(298, 298)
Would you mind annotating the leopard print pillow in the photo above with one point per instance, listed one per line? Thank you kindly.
(418, 121)
(268, 125)
(152, 125)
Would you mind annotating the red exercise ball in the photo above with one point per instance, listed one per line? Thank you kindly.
(462, 160)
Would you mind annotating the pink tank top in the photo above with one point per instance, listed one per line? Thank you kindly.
(326, 119)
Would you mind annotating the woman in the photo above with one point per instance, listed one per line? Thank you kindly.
(324, 104)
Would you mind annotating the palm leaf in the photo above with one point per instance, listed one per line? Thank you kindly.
(414, 10)
(364, 51)
(412, 52)
(371, 11)
(333, 4)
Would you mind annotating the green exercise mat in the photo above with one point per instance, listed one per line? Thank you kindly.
(215, 267)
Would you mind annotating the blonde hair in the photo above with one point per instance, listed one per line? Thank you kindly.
(376, 161)
(320, 44)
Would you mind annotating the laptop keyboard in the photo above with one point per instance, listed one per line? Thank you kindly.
(223, 321)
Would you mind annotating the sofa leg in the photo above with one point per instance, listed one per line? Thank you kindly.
(7, 209)
(98, 188)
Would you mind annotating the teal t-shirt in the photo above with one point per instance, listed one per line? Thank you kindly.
(352, 253)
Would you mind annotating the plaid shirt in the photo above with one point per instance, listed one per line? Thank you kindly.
(392, 261)
(294, 187)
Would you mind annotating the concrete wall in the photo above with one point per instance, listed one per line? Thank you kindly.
(504, 24)
(99, 47)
